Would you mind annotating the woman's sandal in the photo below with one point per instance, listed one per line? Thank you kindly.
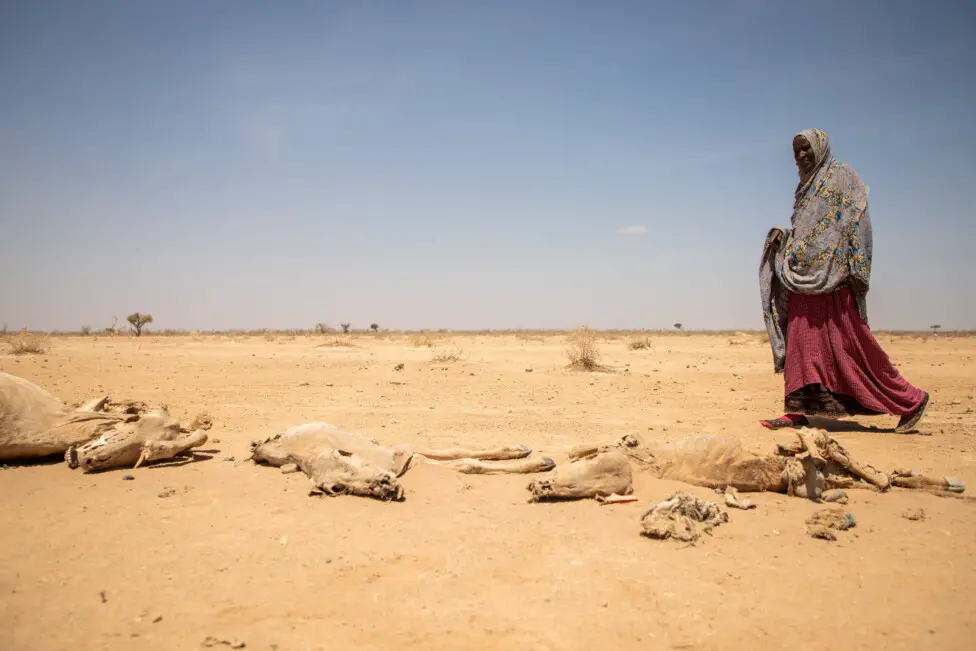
(785, 421)
(908, 423)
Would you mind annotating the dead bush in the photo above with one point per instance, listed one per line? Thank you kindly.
(582, 351)
(447, 355)
(423, 340)
(337, 343)
(29, 345)
(640, 344)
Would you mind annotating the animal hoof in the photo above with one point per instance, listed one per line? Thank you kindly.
(956, 485)
(526, 450)
(546, 464)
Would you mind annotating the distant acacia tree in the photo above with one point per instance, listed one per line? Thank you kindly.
(321, 328)
(935, 329)
(374, 327)
(345, 327)
(677, 326)
(139, 321)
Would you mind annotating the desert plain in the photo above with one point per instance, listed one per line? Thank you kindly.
(218, 551)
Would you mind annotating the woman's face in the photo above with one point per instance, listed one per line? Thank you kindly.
(804, 155)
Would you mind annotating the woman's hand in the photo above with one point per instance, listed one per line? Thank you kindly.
(776, 238)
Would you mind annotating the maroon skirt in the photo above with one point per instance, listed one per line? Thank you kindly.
(835, 366)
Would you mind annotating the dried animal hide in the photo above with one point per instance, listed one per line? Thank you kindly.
(33, 423)
(95, 435)
(336, 461)
(812, 467)
(591, 474)
(682, 517)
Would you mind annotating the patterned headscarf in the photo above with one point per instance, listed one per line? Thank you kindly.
(820, 143)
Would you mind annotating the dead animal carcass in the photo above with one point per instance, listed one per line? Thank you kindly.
(340, 462)
(94, 436)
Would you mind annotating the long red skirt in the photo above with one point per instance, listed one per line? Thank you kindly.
(835, 366)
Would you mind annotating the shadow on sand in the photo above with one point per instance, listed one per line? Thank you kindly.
(833, 425)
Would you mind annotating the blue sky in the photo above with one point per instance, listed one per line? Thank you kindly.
(451, 164)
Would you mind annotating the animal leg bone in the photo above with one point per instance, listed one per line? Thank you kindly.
(867, 473)
(908, 479)
(504, 453)
(810, 445)
(479, 467)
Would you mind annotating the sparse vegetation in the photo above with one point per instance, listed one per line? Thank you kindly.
(643, 343)
(447, 355)
(86, 330)
(29, 345)
(337, 342)
(678, 326)
(374, 327)
(345, 327)
(139, 321)
(582, 350)
(421, 337)
(322, 328)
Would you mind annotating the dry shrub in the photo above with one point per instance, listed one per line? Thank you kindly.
(446, 355)
(582, 351)
(423, 340)
(337, 343)
(29, 345)
(640, 344)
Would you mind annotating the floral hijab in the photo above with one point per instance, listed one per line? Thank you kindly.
(828, 245)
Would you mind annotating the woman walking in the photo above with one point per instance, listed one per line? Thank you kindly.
(814, 279)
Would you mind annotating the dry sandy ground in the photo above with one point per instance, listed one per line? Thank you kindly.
(94, 562)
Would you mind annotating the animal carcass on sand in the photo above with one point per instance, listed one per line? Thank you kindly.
(341, 462)
(590, 473)
(33, 423)
(144, 437)
(807, 468)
